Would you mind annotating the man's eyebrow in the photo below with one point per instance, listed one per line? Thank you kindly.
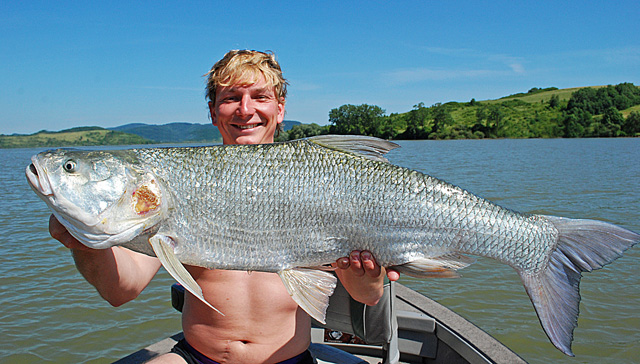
(265, 89)
(231, 89)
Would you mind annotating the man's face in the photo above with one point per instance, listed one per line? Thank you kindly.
(247, 114)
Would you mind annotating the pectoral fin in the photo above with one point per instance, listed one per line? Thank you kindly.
(161, 245)
(311, 289)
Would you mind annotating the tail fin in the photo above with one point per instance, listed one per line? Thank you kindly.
(583, 245)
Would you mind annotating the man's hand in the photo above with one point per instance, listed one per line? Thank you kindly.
(362, 262)
(363, 277)
(60, 233)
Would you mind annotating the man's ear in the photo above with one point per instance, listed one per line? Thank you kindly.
(212, 112)
(281, 111)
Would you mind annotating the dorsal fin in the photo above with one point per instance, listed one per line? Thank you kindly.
(364, 146)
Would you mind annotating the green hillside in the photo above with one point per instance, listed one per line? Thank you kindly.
(597, 111)
(83, 136)
(627, 112)
(536, 95)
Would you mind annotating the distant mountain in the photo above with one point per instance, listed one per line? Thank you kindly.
(80, 136)
(129, 134)
(288, 124)
(181, 132)
(173, 132)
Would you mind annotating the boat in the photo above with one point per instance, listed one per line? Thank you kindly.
(405, 327)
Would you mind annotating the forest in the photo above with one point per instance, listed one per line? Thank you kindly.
(539, 113)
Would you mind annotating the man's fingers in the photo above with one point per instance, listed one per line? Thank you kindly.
(355, 263)
(393, 275)
(343, 263)
(363, 262)
(60, 233)
(370, 266)
(56, 229)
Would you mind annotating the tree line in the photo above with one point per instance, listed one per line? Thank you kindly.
(589, 112)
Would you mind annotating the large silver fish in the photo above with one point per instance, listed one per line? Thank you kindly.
(293, 207)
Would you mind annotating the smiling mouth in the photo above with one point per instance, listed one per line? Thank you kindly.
(248, 126)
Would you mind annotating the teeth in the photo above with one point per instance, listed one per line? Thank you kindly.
(249, 126)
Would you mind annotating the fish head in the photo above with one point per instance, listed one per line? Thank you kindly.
(103, 198)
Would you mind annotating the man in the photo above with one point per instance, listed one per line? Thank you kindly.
(262, 324)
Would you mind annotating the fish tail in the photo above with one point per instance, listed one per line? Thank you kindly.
(582, 246)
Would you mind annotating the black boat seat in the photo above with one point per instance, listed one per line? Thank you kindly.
(378, 325)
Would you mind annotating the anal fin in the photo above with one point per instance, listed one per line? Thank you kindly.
(311, 289)
(161, 245)
(444, 266)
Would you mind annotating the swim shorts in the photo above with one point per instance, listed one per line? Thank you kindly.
(193, 356)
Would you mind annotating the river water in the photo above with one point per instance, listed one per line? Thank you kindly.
(49, 313)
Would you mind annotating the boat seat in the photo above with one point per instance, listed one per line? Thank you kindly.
(372, 324)
(378, 326)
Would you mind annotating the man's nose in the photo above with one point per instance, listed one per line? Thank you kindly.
(246, 106)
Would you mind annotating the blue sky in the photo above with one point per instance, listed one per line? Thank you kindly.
(66, 64)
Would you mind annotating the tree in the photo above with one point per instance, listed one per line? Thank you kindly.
(621, 96)
(416, 120)
(357, 120)
(610, 124)
(494, 121)
(305, 131)
(572, 126)
(613, 120)
(630, 92)
(631, 125)
(583, 99)
(441, 119)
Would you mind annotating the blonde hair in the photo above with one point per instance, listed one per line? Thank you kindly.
(244, 67)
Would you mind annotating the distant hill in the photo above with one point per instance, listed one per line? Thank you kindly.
(82, 136)
(181, 132)
(538, 95)
(585, 112)
(173, 132)
(129, 134)
(288, 124)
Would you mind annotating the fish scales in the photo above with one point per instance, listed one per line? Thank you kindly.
(260, 210)
(286, 207)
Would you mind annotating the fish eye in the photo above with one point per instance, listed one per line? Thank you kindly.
(69, 166)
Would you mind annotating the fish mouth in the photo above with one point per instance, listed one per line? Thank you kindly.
(38, 180)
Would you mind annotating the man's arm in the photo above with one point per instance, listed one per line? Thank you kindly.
(118, 274)
(362, 277)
